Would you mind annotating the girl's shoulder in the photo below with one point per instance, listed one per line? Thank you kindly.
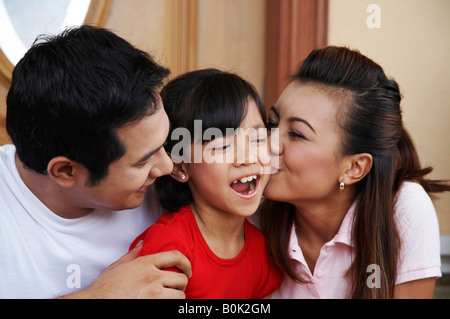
(255, 235)
(172, 231)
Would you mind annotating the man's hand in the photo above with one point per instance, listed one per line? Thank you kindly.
(143, 277)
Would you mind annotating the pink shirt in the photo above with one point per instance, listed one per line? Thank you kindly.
(419, 255)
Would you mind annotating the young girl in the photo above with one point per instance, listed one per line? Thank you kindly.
(209, 196)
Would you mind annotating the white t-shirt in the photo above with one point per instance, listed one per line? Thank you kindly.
(419, 255)
(43, 255)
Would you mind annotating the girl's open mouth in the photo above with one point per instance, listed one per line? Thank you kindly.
(246, 187)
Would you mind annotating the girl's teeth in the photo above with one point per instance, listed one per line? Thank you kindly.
(246, 179)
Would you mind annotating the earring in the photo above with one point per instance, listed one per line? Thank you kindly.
(341, 187)
(183, 177)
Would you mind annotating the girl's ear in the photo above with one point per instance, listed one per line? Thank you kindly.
(180, 173)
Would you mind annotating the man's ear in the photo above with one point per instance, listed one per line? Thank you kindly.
(358, 166)
(180, 173)
(63, 171)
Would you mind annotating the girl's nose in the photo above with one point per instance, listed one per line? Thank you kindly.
(244, 153)
(276, 146)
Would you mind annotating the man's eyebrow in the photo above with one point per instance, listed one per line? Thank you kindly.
(149, 154)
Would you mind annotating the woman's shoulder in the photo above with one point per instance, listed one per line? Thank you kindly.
(414, 207)
(411, 195)
(419, 234)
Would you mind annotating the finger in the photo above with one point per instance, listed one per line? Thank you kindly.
(169, 293)
(173, 280)
(171, 259)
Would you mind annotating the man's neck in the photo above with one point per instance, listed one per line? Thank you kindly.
(53, 196)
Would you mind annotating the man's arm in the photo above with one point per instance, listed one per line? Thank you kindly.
(143, 277)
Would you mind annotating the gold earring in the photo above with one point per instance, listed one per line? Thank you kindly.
(341, 187)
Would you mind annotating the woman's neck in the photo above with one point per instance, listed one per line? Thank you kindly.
(319, 221)
(223, 232)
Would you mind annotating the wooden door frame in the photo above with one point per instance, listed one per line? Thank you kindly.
(294, 29)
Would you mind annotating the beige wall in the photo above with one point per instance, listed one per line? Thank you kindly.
(227, 34)
(413, 46)
(231, 37)
(230, 33)
(4, 139)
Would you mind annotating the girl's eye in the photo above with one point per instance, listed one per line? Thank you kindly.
(221, 147)
(296, 134)
(259, 139)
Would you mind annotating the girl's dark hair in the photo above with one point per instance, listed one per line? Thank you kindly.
(219, 99)
(371, 122)
(71, 91)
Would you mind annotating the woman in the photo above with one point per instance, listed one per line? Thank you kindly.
(349, 215)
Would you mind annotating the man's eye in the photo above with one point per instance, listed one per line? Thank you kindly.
(143, 164)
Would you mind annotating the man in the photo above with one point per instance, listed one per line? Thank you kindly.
(88, 128)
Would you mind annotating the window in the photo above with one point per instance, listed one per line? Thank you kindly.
(21, 21)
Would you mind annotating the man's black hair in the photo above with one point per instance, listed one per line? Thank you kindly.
(71, 91)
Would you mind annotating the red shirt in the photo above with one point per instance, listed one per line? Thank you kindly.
(249, 275)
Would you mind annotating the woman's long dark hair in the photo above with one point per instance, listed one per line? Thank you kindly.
(371, 122)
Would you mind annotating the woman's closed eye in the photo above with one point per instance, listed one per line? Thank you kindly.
(296, 134)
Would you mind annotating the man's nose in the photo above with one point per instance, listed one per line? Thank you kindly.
(164, 166)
